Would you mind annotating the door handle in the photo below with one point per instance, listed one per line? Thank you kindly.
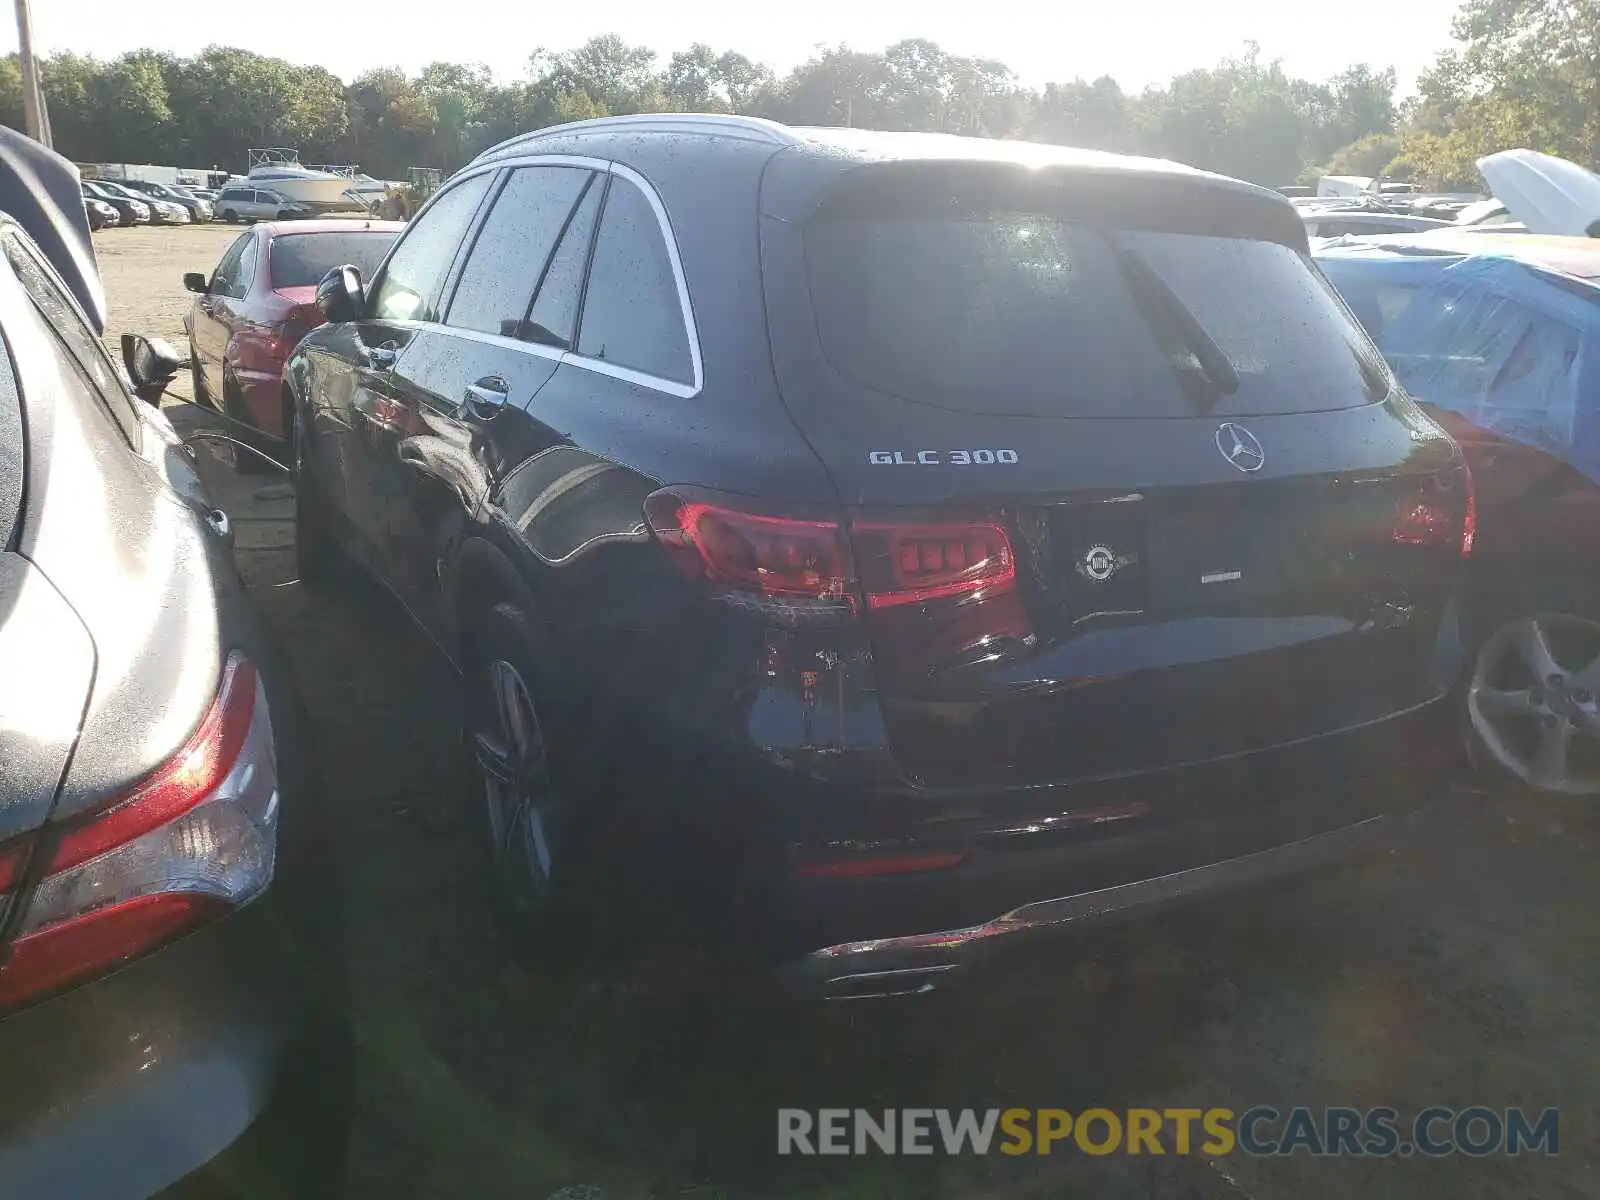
(487, 397)
(381, 358)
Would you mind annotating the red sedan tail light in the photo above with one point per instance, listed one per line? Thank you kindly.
(191, 842)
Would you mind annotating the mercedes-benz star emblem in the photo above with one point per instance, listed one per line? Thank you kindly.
(1240, 447)
(1100, 563)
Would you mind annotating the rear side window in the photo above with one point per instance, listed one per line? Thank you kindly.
(416, 270)
(513, 248)
(1029, 314)
(632, 315)
(302, 259)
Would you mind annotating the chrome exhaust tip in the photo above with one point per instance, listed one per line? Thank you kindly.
(879, 985)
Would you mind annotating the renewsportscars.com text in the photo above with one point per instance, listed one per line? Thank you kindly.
(1435, 1132)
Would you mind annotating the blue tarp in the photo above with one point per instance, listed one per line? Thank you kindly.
(1513, 348)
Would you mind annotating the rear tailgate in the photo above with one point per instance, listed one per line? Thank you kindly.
(1205, 564)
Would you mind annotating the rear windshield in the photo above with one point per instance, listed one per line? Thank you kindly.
(302, 259)
(1025, 314)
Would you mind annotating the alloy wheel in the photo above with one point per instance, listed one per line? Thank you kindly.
(1534, 702)
(520, 799)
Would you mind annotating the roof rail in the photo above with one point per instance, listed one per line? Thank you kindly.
(709, 124)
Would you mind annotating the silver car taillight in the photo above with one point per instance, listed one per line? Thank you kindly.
(194, 840)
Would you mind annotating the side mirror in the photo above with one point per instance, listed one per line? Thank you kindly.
(194, 281)
(150, 363)
(340, 296)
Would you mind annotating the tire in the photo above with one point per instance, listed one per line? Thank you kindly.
(231, 217)
(247, 462)
(528, 825)
(197, 379)
(1532, 701)
(318, 558)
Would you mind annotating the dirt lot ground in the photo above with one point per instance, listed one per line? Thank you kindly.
(1464, 973)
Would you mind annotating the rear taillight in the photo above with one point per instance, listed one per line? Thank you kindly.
(265, 350)
(904, 563)
(1440, 512)
(791, 565)
(196, 839)
(791, 569)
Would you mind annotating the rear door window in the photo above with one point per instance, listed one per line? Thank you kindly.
(1029, 314)
(513, 249)
(222, 279)
(554, 317)
(245, 275)
(632, 314)
(409, 287)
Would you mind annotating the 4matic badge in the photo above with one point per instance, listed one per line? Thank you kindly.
(941, 458)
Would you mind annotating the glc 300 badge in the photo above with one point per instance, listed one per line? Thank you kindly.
(1100, 563)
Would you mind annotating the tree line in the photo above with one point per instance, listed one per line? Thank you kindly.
(1522, 72)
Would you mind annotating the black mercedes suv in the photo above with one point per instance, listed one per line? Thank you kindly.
(961, 537)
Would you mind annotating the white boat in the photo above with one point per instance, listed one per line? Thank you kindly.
(282, 171)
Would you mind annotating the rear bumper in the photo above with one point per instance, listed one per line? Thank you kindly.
(209, 1064)
(915, 963)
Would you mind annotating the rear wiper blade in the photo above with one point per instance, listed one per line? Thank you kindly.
(1162, 305)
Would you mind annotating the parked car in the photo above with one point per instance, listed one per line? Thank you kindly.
(100, 213)
(1504, 350)
(246, 202)
(1331, 223)
(199, 209)
(252, 310)
(129, 211)
(890, 512)
(162, 212)
(161, 1019)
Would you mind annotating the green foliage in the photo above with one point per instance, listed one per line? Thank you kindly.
(1526, 72)
(1370, 155)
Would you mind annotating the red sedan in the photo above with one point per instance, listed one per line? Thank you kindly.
(257, 305)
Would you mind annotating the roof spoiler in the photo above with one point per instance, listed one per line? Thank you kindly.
(39, 190)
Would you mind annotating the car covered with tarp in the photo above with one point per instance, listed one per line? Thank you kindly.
(1503, 351)
(1511, 346)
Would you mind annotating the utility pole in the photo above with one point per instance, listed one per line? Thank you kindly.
(32, 97)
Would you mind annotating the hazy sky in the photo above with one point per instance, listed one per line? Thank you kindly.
(1136, 41)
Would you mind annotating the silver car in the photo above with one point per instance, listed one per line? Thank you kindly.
(246, 202)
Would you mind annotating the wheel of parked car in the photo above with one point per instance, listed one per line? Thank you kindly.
(230, 216)
(526, 819)
(1533, 702)
(197, 379)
